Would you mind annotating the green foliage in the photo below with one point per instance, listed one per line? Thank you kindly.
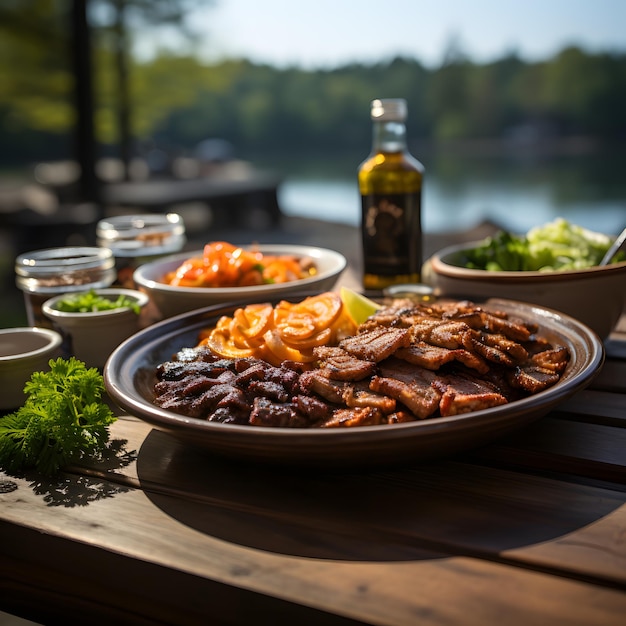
(180, 100)
(62, 420)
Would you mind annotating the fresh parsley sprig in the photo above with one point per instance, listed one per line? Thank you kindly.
(62, 420)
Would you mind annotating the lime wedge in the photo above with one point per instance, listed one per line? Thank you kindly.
(358, 306)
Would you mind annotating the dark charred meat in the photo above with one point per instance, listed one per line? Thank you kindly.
(250, 391)
(268, 413)
(407, 362)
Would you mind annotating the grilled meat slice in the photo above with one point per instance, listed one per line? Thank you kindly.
(555, 359)
(350, 394)
(492, 320)
(315, 409)
(519, 331)
(360, 416)
(447, 334)
(401, 315)
(531, 378)
(361, 395)
(376, 344)
(200, 397)
(409, 385)
(511, 348)
(462, 394)
(493, 350)
(434, 357)
(400, 417)
(315, 381)
(284, 414)
(543, 370)
(340, 365)
(175, 370)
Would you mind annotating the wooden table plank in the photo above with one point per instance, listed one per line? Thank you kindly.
(612, 377)
(601, 406)
(396, 591)
(458, 508)
(582, 449)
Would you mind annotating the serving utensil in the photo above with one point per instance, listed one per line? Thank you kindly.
(613, 250)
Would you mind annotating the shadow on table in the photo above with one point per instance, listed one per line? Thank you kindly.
(69, 489)
(412, 513)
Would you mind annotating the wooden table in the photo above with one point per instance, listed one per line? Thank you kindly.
(527, 530)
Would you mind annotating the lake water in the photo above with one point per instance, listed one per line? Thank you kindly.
(462, 191)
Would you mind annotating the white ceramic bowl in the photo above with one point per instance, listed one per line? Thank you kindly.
(93, 336)
(22, 352)
(594, 296)
(172, 301)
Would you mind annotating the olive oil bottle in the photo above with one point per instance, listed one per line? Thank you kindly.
(390, 184)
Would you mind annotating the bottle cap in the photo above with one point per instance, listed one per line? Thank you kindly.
(390, 109)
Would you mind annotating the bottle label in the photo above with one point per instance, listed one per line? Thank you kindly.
(392, 234)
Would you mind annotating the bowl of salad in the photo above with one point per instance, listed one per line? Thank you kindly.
(224, 272)
(554, 266)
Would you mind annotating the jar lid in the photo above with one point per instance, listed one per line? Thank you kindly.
(58, 260)
(389, 109)
(64, 269)
(142, 234)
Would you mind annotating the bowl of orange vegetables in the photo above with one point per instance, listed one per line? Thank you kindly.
(225, 272)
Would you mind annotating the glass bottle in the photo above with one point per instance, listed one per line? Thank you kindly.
(390, 184)
(45, 273)
(138, 239)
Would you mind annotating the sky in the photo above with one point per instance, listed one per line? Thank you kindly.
(329, 33)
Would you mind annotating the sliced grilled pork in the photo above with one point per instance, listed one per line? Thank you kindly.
(435, 357)
(362, 416)
(341, 365)
(409, 385)
(350, 394)
(462, 394)
(376, 344)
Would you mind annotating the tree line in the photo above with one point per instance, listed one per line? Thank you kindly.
(178, 100)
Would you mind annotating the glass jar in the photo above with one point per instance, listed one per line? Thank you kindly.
(138, 239)
(54, 271)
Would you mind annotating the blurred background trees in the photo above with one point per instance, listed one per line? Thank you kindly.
(176, 100)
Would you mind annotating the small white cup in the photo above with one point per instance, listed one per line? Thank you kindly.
(23, 351)
(94, 335)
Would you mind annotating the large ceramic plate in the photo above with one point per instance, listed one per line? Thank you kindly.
(130, 375)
